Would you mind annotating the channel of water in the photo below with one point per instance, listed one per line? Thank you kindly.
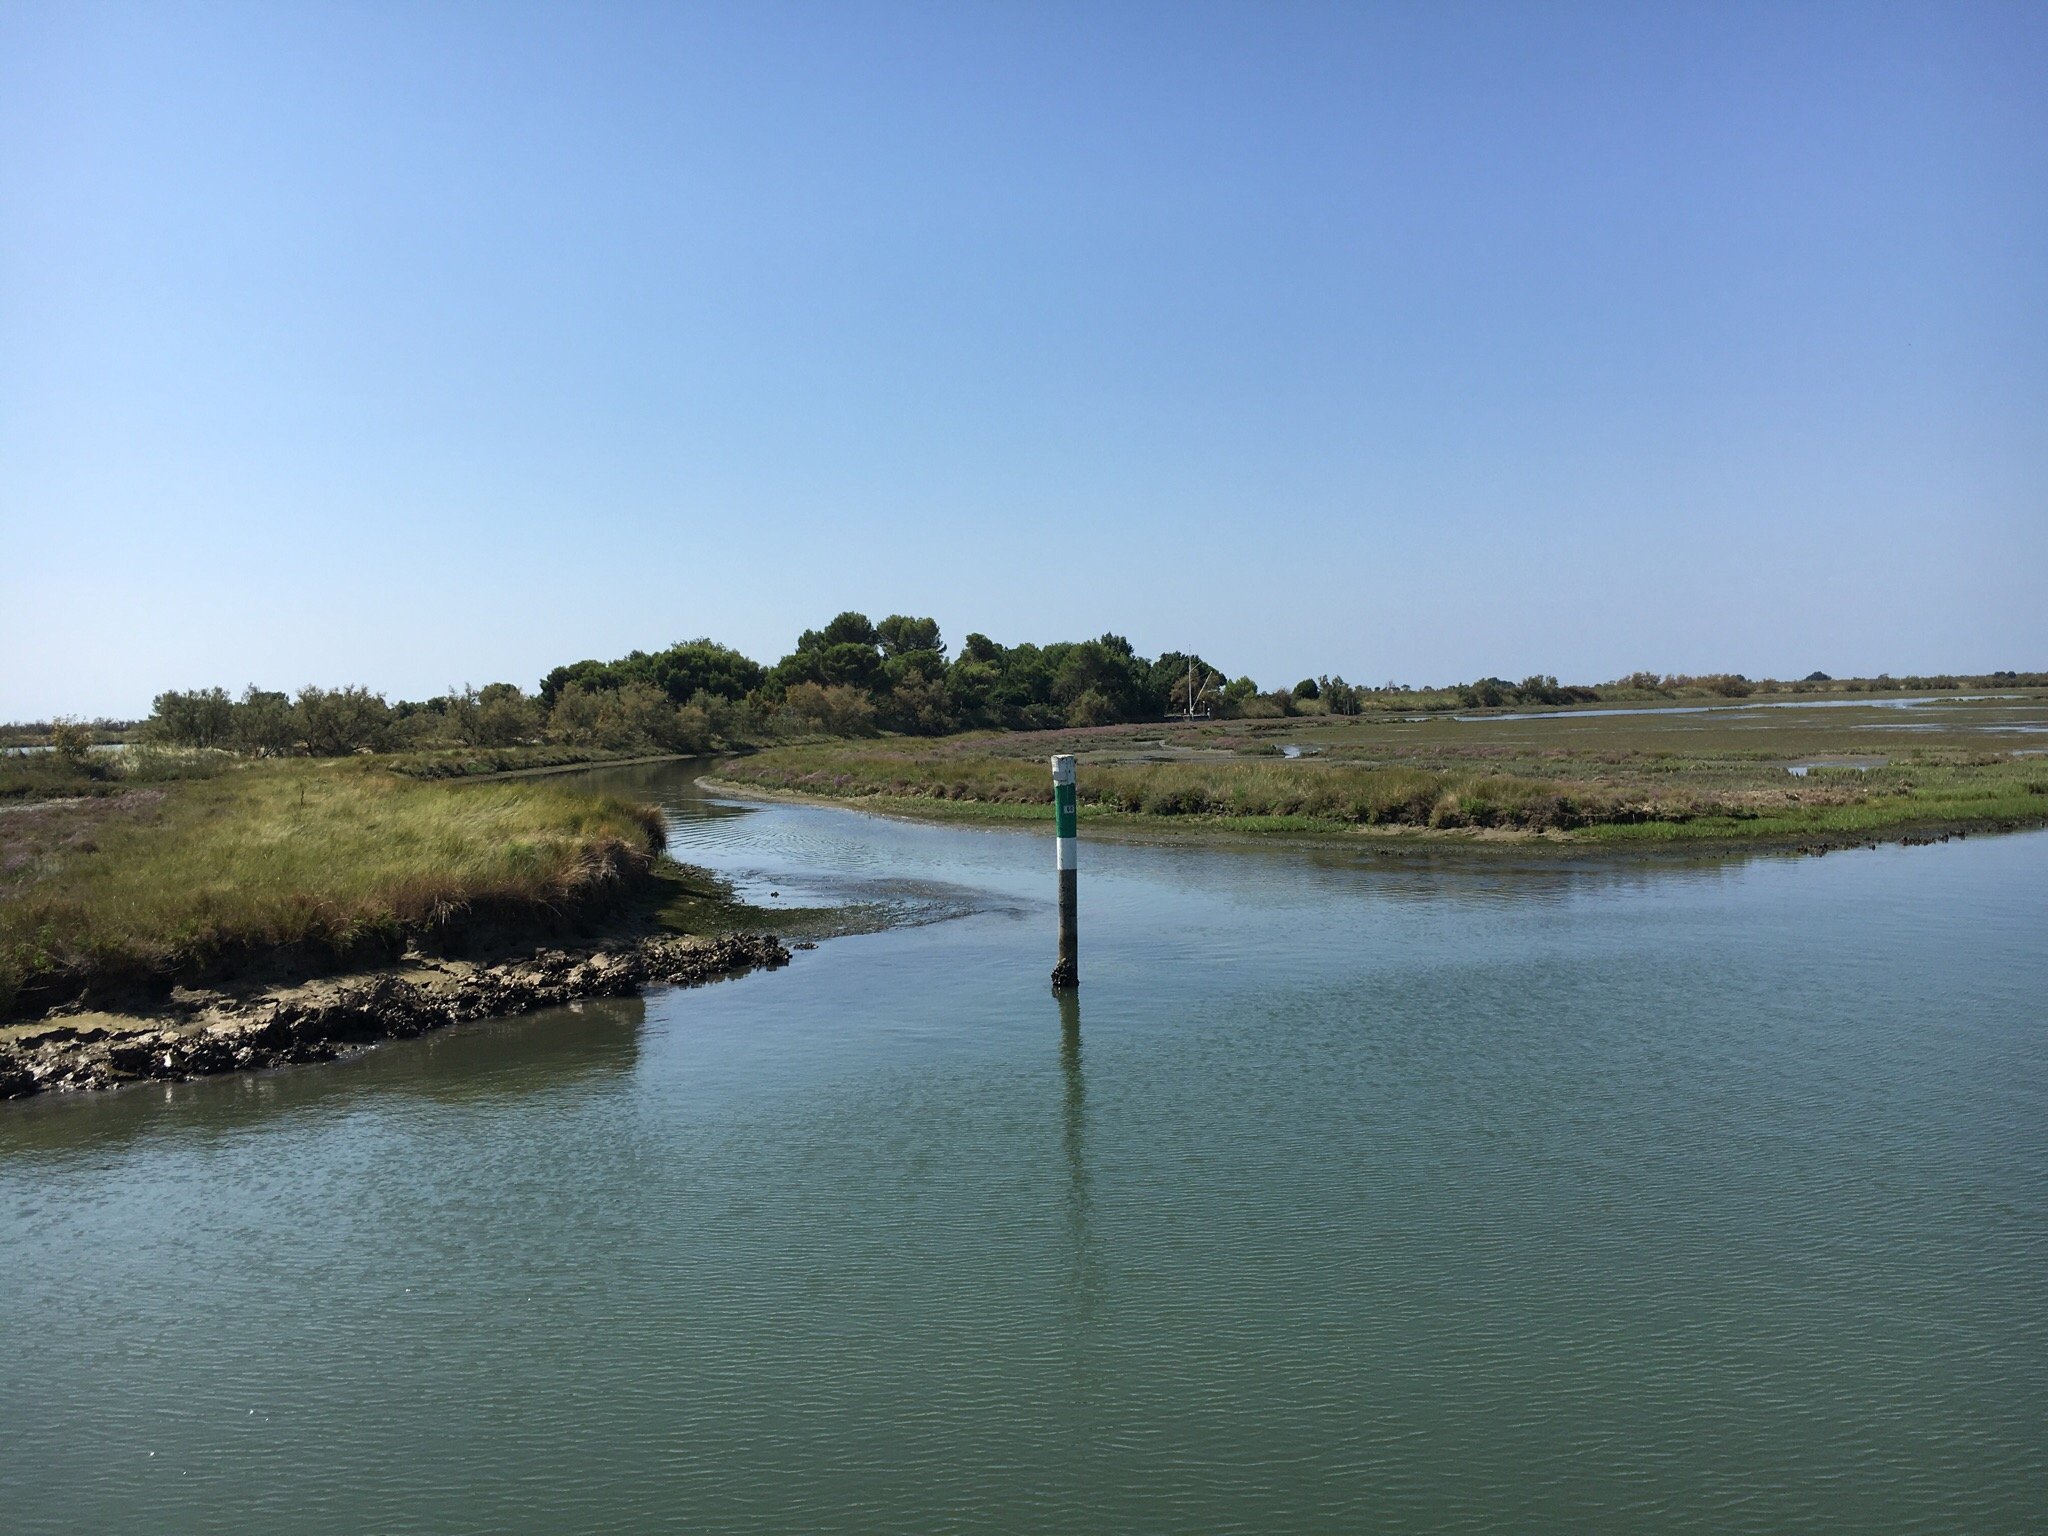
(1355, 1194)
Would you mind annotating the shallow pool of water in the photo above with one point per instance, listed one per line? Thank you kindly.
(1736, 706)
(1414, 1195)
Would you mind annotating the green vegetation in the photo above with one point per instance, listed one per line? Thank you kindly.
(680, 673)
(248, 830)
(1660, 776)
(490, 762)
(854, 678)
(42, 733)
(33, 776)
(323, 864)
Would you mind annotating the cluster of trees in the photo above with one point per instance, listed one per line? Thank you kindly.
(1493, 692)
(681, 673)
(1727, 685)
(326, 722)
(855, 675)
(852, 677)
(337, 722)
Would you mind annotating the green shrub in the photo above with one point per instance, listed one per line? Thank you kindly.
(71, 739)
(337, 722)
(835, 709)
(264, 723)
(204, 717)
(497, 715)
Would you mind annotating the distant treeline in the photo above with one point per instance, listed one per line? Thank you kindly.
(855, 677)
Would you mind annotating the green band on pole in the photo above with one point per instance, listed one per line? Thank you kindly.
(1063, 813)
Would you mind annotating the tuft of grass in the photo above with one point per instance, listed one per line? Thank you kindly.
(326, 861)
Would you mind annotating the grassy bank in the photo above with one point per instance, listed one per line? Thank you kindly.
(1663, 777)
(299, 864)
(500, 762)
(58, 775)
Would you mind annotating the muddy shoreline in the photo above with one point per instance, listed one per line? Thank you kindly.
(198, 1033)
(1395, 843)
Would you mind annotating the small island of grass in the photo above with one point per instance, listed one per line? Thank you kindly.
(1819, 774)
(181, 919)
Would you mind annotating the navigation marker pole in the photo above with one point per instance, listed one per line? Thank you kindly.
(1067, 974)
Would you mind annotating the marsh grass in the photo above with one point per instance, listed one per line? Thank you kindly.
(1295, 791)
(50, 776)
(1665, 777)
(35, 776)
(485, 762)
(1980, 796)
(329, 862)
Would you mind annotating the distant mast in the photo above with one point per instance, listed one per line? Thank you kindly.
(1194, 695)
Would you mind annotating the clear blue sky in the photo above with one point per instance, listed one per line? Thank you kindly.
(416, 344)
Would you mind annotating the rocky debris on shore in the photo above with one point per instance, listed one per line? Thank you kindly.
(1908, 840)
(318, 1021)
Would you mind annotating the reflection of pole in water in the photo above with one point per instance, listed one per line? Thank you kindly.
(1080, 1419)
(1076, 1102)
(1087, 1279)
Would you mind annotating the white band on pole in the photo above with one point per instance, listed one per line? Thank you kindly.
(1068, 856)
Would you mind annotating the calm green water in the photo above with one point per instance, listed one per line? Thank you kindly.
(1355, 1198)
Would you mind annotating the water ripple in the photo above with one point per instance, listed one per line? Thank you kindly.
(1345, 1197)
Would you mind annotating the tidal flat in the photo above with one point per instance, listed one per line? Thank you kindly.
(1818, 773)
